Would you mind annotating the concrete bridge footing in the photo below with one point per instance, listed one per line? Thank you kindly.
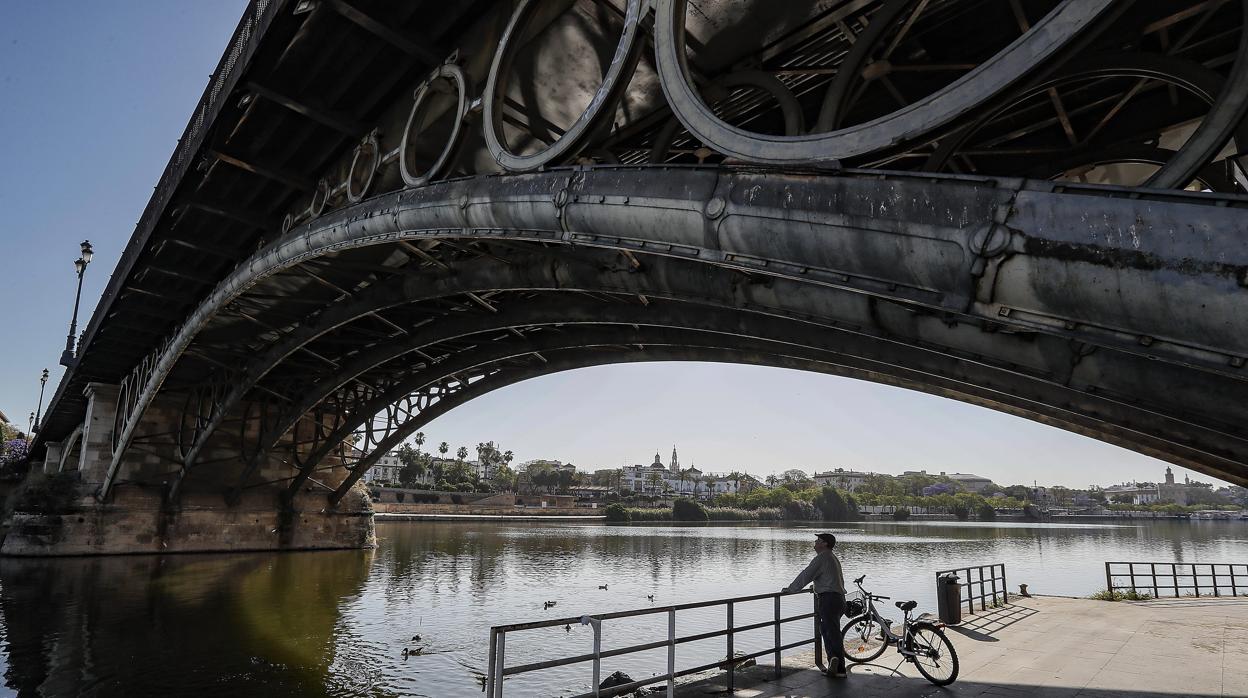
(63, 515)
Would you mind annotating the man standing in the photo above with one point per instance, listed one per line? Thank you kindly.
(829, 586)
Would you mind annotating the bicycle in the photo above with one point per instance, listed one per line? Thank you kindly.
(868, 634)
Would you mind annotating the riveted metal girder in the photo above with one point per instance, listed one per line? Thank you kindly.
(1012, 255)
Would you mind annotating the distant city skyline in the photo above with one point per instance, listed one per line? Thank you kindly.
(93, 98)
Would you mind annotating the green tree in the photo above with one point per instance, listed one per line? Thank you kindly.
(830, 503)
(413, 466)
(460, 455)
(503, 478)
(656, 482)
(685, 509)
(986, 512)
(618, 513)
(443, 448)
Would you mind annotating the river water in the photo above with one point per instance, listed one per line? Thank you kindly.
(335, 623)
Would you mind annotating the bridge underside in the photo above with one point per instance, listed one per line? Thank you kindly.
(454, 256)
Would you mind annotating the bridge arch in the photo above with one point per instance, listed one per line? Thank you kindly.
(958, 266)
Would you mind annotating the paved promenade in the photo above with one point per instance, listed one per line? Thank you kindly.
(1051, 647)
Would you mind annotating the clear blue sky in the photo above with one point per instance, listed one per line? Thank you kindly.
(93, 97)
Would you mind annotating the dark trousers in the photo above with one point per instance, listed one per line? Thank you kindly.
(828, 610)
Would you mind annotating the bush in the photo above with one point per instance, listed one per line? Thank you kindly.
(1031, 512)
(651, 514)
(684, 509)
(961, 511)
(901, 514)
(399, 497)
(1115, 595)
(739, 514)
(456, 499)
(618, 513)
(798, 510)
(832, 505)
(986, 512)
(46, 494)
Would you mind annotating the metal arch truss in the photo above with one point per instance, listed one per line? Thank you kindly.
(996, 254)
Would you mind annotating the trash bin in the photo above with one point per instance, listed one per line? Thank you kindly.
(949, 599)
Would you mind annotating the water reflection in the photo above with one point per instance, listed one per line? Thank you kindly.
(175, 625)
(335, 624)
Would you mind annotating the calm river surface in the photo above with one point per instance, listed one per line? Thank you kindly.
(335, 623)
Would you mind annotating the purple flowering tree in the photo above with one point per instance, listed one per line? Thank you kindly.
(13, 452)
(939, 488)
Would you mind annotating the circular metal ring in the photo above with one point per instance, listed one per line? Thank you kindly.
(790, 108)
(620, 72)
(411, 176)
(319, 197)
(1209, 176)
(1054, 31)
(1203, 83)
(363, 168)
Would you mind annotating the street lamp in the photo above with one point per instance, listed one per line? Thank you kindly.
(43, 381)
(67, 357)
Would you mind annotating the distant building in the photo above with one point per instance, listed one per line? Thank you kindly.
(1167, 492)
(657, 478)
(970, 483)
(842, 479)
(386, 469)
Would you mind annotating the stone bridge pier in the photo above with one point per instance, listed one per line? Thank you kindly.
(211, 514)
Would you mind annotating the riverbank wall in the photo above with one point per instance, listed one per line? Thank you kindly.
(479, 510)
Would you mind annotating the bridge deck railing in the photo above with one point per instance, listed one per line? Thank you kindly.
(1176, 579)
(497, 669)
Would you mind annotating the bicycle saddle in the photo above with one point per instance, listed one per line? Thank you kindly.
(907, 605)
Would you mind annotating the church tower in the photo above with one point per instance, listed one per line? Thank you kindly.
(675, 464)
(1169, 476)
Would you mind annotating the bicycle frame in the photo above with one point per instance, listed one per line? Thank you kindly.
(886, 625)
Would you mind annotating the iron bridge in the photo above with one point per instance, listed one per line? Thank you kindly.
(383, 210)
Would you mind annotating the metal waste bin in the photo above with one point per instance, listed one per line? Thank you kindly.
(949, 599)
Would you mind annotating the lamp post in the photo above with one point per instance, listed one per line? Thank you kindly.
(30, 421)
(67, 357)
(43, 381)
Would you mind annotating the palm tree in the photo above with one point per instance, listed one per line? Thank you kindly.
(420, 441)
(443, 448)
(710, 483)
(655, 480)
(461, 454)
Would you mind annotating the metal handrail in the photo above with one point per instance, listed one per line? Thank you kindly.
(969, 597)
(1150, 576)
(497, 670)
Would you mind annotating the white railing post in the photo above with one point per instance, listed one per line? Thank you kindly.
(777, 636)
(597, 624)
(671, 653)
(499, 664)
(488, 688)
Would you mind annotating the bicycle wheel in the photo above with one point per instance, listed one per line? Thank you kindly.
(863, 639)
(933, 654)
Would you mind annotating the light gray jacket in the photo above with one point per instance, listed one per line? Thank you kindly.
(824, 571)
